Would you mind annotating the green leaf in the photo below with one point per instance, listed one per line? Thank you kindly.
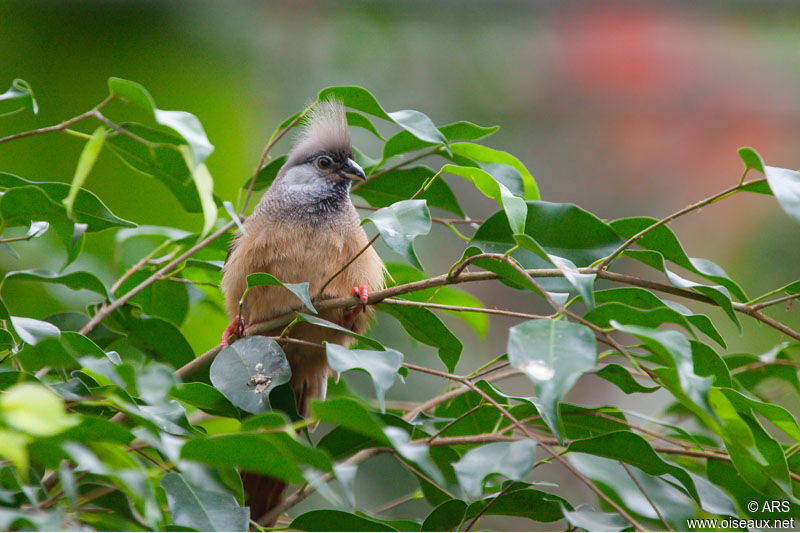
(272, 454)
(317, 321)
(776, 414)
(360, 121)
(300, 290)
(583, 283)
(467, 131)
(622, 378)
(85, 164)
(35, 409)
(673, 350)
(14, 447)
(160, 340)
(162, 161)
(400, 223)
(785, 185)
(18, 97)
(511, 459)
(184, 124)
(203, 509)
(87, 208)
(402, 183)
(553, 354)
(349, 413)
(756, 456)
(587, 518)
(447, 516)
(632, 449)
(59, 351)
(163, 299)
(416, 453)
(33, 331)
(332, 520)
(247, 370)
(485, 154)
(382, 366)
(402, 274)
(266, 175)
(426, 327)
(416, 123)
(514, 206)
(664, 241)
(206, 398)
(751, 158)
(205, 189)
(73, 280)
(268, 420)
(524, 502)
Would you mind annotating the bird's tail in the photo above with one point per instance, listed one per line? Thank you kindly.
(263, 494)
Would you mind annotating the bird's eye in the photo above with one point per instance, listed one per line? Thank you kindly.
(324, 162)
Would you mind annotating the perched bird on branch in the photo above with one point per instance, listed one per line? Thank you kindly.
(305, 228)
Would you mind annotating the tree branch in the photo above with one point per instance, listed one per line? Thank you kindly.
(62, 126)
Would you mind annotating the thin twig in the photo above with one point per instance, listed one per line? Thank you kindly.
(459, 308)
(762, 305)
(646, 497)
(489, 504)
(106, 310)
(62, 126)
(627, 244)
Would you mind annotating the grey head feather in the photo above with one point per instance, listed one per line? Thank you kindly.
(302, 192)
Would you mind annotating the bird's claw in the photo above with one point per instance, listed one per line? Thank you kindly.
(235, 328)
(363, 295)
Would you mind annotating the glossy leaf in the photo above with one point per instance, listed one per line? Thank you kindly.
(247, 370)
(776, 414)
(35, 409)
(382, 366)
(73, 280)
(300, 290)
(488, 155)
(400, 223)
(348, 413)
(751, 158)
(317, 321)
(85, 164)
(202, 509)
(511, 459)
(587, 518)
(401, 184)
(631, 448)
(87, 208)
(183, 123)
(622, 378)
(513, 206)
(785, 185)
(426, 327)
(272, 454)
(402, 274)
(206, 398)
(664, 241)
(524, 502)
(447, 516)
(18, 97)
(553, 355)
(333, 520)
(33, 331)
(416, 123)
(360, 121)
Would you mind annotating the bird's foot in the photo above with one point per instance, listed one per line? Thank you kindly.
(235, 328)
(350, 313)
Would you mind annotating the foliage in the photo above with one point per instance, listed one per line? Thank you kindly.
(108, 418)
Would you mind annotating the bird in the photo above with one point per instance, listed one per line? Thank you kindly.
(304, 229)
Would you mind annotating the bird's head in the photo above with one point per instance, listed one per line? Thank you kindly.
(322, 155)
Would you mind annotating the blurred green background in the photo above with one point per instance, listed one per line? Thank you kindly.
(624, 109)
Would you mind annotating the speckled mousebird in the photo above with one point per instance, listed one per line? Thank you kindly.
(304, 228)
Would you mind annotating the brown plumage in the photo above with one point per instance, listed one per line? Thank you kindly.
(305, 228)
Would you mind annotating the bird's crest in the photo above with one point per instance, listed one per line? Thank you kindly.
(324, 129)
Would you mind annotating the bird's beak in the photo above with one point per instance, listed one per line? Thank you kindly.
(353, 171)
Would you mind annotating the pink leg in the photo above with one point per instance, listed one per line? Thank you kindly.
(350, 313)
(235, 328)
